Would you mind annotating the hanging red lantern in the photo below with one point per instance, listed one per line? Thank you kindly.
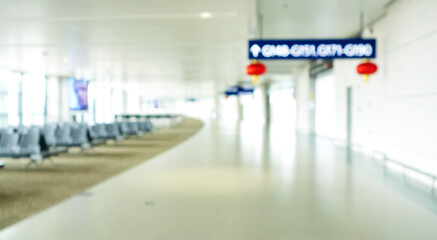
(366, 69)
(255, 69)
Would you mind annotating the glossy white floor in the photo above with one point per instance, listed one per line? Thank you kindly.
(236, 182)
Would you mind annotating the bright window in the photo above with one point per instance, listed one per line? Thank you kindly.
(9, 93)
(34, 93)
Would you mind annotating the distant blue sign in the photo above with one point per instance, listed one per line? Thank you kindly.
(239, 90)
(312, 49)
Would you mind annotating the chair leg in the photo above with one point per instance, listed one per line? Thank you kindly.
(31, 161)
(49, 159)
(82, 152)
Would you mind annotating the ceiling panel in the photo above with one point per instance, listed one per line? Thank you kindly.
(162, 44)
(291, 19)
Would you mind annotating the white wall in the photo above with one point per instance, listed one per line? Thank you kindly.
(396, 112)
(303, 100)
(324, 100)
(412, 83)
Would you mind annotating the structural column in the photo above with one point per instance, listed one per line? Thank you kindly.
(239, 108)
(20, 101)
(124, 94)
(266, 100)
(217, 108)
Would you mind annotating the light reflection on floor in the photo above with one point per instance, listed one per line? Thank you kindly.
(240, 180)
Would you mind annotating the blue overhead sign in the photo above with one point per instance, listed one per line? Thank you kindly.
(237, 90)
(312, 49)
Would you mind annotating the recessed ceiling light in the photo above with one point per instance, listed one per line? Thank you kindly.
(205, 15)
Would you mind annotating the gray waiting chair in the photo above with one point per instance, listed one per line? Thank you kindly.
(9, 144)
(49, 132)
(99, 132)
(26, 145)
(29, 146)
(128, 128)
(79, 135)
(146, 126)
(95, 138)
(63, 135)
(113, 132)
(134, 129)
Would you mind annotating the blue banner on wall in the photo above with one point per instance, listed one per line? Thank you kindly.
(312, 49)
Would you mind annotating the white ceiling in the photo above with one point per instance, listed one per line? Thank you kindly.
(162, 48)
(304, 19)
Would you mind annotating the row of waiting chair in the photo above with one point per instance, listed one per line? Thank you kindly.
(39, 143)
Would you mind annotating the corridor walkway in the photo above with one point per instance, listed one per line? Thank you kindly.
(237, 181)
